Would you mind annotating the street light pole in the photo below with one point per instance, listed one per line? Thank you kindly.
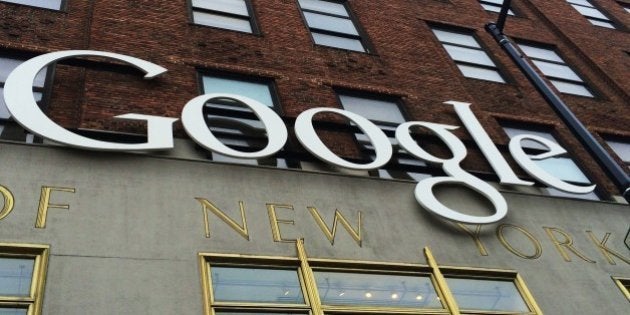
(619, 175)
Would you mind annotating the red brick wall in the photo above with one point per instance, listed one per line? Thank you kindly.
(407, 62)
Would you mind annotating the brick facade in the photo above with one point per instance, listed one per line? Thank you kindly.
(406, 62)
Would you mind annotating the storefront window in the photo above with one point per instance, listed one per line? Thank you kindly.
(262, 285)
(486, 295)
(284, 285)
(22, 270)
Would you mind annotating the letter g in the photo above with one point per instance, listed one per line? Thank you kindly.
(18, 95)
(424, 189)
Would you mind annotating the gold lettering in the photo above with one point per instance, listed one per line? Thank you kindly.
(509, 247)
(475, 236)
(207, 206)
(275, 222)
(44, 204)
(601, 245)
(8, 202)
(339, 218)
(566, 243)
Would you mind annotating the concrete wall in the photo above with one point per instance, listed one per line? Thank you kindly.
(129, 242)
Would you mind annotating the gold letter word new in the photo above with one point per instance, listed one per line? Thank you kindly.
(207, 206)
(275, 222)
(330, 234)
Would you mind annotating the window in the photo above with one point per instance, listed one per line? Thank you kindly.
(22, 277)
(469, 57)
(622, 149)
(331, 25)
(556, 70)
(233, 123)
(591, 13)
(494, 6)
(626, 6)
(233, 15)
(562, 167)
(386, 114)
(285, 285)
(9, 130)
(47, 4)
(624, 285)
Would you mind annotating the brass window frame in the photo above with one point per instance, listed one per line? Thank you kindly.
(39, 253)
(624, 286)
(313, 305)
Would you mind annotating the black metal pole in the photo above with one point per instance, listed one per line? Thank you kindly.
(619, 175)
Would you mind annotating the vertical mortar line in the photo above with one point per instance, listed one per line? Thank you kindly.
(441, 282)
(309, 279)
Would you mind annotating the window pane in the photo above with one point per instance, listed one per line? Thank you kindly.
(581, 2)
(373, 109)
(621, 149)
(480, 73)
(336, 288)
(4, 112)
(571, 88)
(541, 53)
(456, 38)
(221, 21)
(559, 193)
(556, 70)
(229, 6)
(498, 2)
(601, 23)
(563, 168)
(254, 90)
(48, 4)
(15, 276)
(330, 23)
(590, 12)
(495, 8)
(486, 295)
(6, 66)
(230, 284)
(468, 55)
(324, 6)
(13, 311)
(337, 41)
(513, 132)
